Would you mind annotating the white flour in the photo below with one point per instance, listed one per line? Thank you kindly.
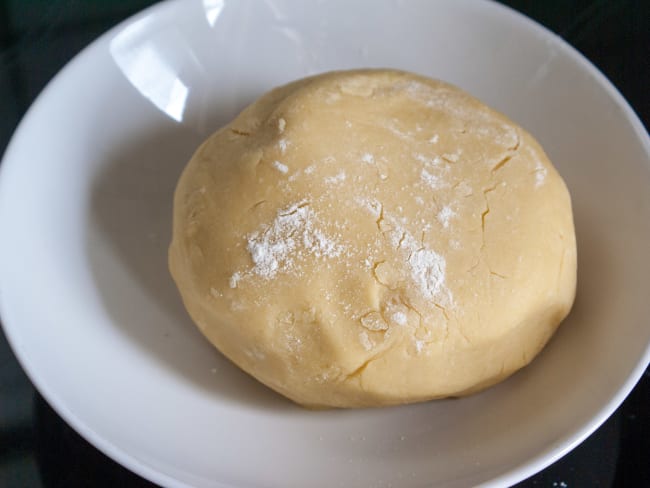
(282, 168)
(445, 215)
(293, 235)
(428, 269)
(333, 180)
(433, 181)
(368, 158)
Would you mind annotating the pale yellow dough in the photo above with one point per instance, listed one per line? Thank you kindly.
(373, 237)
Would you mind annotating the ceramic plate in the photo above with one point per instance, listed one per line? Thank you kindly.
(85, 211)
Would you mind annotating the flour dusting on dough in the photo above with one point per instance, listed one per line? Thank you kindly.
(540, 174)
(283, 144)
(428, 268)
(338, 178)
(234, 280)
(399, 318)
(368, 158)
(282, 168)
(433, 181)
(291, 237)
(365, 340)
(445, 215)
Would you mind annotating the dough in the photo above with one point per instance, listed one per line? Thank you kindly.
(373, 237)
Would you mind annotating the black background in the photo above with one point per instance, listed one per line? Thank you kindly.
(37, 37)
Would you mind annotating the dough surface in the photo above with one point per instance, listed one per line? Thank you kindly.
(373, 237)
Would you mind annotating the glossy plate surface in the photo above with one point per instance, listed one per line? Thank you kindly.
(85, 207)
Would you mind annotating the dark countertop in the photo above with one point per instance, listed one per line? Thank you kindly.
(37, 37)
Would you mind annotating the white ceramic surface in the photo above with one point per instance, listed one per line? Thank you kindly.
(85, 207)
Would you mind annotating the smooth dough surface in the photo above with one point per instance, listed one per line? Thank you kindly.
(373, 237)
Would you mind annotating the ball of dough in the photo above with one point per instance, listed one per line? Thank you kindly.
(373, 237)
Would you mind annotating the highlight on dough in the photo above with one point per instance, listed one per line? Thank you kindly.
(373, 237)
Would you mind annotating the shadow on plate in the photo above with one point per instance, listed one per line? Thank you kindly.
(129, 230)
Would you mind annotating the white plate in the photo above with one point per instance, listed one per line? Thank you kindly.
(85, 209)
